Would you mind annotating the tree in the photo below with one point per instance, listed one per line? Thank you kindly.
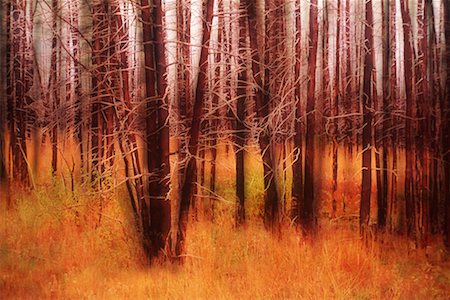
(335, 112)
(366, 99)
(307, 216)
(297, 167)
(194, 133)
(446, 129)
(409, 147)
(53, 85)
(156, 214)
(261, 99)
(240, 134)
(19, 46)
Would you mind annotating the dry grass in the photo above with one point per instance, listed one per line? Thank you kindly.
(47, 250)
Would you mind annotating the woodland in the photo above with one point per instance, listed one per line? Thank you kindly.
(225, 149)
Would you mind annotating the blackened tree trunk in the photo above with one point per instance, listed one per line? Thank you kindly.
(53, 86)
(392, 210)
(159, 203)
(156, 214)
(194, 133)
(409, 146)
(4, 61)
(386, 124)
(98, 91)
(366, 184)
(422, 135)
(446, 129)
(307, 215)
(262, 111)
(335, 113)
(297, 167)
(240, 129)
(18, 88)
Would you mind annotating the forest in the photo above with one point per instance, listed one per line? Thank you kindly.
(231, 149)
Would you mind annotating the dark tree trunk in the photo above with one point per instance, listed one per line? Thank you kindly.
(18, 88)
(156, 214)
(335, 113)
(159, 203)
(446, 130)
(262, 111)
(366, 183)
(100, 95)
(53, 86)
(409, 146)
(386, 124)
(240, 129)
(213, 125)
(297, 167)
(194, 133)
(392, 209)
(4, 82)
(435, 83)
(422, 134)
(307, 215)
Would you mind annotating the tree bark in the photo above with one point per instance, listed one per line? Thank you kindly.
(194, 133)
(446, 130)
(366, 184)
(307, 215)
(240, 129)
(409, 146)
(297, 166)
(262, 111)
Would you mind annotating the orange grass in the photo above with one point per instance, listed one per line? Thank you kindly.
(50, 248)
(57, 245)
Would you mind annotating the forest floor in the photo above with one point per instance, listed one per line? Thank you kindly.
(53, 248)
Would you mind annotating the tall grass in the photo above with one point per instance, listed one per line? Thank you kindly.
(53, 248)
(55, 244)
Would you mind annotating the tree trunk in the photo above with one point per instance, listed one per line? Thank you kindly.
(409, 146)
(335, 113)
(240, 129)
(19, 41)
(53, 86)
(307, 215)
(194, 133)
(297, 166)
(446, 129)
(262, 111)
(157, 212)
(366, 99)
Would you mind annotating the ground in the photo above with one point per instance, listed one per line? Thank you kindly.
(54, 247)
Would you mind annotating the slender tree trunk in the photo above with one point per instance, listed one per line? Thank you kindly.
(307, 216)
(366, 184)
(409, 147)
(434, 61)
(194, 133)
(335, 113)
(4, 78)
(157, 212)
(240, 129)
(392, 210)
(19, 42)
(214, 123)
(422, 134)
(160, 206)
(446, 129)
(53, 87)
(297, 167)
(386, 123)
(262, 111)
